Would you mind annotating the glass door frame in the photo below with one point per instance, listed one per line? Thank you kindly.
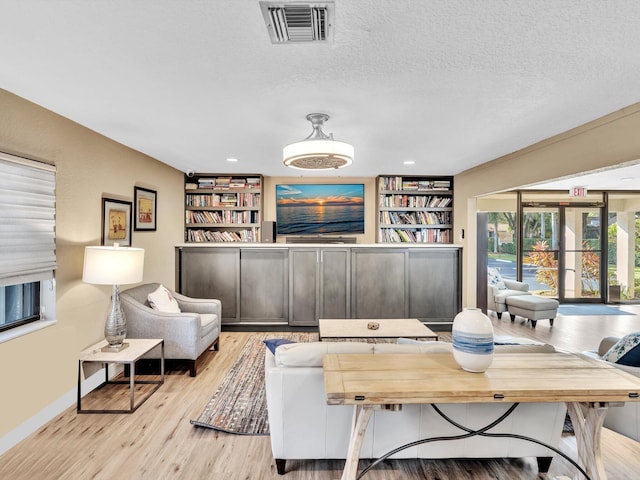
(603, 252)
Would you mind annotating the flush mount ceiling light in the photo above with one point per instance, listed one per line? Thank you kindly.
(318, 151)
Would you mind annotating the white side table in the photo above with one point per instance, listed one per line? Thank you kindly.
(137, 348)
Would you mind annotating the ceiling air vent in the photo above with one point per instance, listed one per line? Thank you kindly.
(298, 22)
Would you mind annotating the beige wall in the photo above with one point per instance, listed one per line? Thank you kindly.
(603, 143)
(39, 368)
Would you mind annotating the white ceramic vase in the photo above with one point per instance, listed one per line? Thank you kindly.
(472, 337)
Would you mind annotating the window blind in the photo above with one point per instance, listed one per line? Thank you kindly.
(27, 220)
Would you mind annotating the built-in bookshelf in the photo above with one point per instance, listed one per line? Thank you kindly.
(414, 209)
(222, 208)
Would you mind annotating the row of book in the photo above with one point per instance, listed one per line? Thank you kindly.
(415, 218)
(224, 183)
(200, 236)
(389, 235)
(420, 184)
(226, 200)
(222, 216)
(415, 201)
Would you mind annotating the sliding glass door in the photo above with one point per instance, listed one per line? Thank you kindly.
(582, 254)
(541, 249)
(562, 251)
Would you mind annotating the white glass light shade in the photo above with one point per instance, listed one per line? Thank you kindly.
(113, 265)
(318, 154)
(318, 151)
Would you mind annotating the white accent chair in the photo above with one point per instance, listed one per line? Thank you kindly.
(186, 334)
(499, 289)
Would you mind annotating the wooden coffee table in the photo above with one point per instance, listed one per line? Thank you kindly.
(388, 328)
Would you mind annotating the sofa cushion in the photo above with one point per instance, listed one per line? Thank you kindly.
(502, 296)
(420, 346)
(626, 351)
(310, 354)
(606, 343)
(273, 343)
(162, 300)
(494, 279)
(208, 321)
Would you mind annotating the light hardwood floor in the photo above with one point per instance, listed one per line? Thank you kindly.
(158, 442)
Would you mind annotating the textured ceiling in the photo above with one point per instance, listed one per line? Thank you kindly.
(448, 84)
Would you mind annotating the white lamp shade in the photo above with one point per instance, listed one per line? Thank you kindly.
(113, 265)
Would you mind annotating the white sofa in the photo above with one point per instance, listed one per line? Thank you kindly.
(303, 426)
(623, 419)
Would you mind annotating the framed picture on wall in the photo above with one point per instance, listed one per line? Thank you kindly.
(145, 202)
(116, 222)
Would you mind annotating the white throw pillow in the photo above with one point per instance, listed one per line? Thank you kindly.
(162, 300)
(495, 279)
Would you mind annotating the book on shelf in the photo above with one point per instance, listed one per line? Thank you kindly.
(395, 235)
(228, 199)
(237, 183)
(253, 182)
(411, 183)
(244, 235)
(190, 186)
(206, 184)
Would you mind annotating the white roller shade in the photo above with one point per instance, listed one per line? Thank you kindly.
(27, 220)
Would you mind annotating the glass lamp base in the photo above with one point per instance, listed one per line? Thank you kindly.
(115, 348)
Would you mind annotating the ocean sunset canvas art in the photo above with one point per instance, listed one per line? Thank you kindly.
(312, 209)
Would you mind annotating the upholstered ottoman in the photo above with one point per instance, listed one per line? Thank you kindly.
(532, 307)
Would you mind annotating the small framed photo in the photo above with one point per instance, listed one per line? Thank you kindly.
(146, 202)
(116, 222)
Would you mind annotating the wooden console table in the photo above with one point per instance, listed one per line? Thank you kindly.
(387, 381)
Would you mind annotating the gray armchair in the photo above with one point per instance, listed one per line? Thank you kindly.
(497, 297)
(186, 334)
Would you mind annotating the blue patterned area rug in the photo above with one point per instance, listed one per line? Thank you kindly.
(590, 309)
(240, 405)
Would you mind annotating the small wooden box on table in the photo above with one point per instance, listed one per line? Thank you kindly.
(387, 328)
(128, 356)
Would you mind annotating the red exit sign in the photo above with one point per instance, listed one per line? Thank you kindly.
(578, 192)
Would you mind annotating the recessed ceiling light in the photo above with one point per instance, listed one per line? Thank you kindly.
(409, 162)
(232, 159)
(626, 179)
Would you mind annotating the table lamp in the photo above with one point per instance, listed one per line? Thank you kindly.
(113, 266)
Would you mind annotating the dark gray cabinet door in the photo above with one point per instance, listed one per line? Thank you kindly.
(304, 272)
(212, 273)
(378, 283)
(319, 285)
(264, 285)
(334, 283)
(434, 284)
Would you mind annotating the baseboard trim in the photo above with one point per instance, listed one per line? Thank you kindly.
(52, 410)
